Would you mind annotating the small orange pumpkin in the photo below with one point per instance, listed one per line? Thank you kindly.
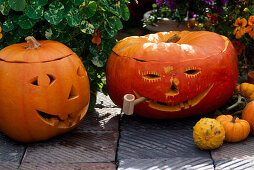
(248, 115)
(44, 90)
(235, 129)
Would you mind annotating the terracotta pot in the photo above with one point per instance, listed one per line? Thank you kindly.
(251, 77)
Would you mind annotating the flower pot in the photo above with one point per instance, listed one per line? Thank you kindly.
(165, 25)
(251, 77)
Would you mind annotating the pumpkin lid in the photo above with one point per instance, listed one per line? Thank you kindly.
(156, 47)
(35, 51)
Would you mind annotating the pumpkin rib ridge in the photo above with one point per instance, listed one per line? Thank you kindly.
(158, 60)
(36, 62)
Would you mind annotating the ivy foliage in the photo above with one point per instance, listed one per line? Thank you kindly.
(72, 22)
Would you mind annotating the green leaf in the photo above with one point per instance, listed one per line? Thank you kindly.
(105, 3)
(55, 14)
(114, 23)
(15, 19)
(91, 71)
(61, 26)
(73, 17)
(113, 11)
(88, 9)
(124, 11)
(51, 34)
(118, 23)
(34, 12)
(107, 46)
(97, 62)
(64, 37)
(94, 51)
(39, 2)
(12, 38)
(96, 20)
(111, 32)
(25, 32)
(86, 27)
(5, 8)
(67, 5)
(8, 25)
(1, 2)
(25, 22)
(77, 2)
(17, 5)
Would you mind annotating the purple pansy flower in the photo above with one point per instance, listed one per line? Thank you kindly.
(159, 2)
(171, 4)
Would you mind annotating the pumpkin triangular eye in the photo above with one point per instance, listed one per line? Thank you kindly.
(73, 93)
(51, 78)
(34, 81)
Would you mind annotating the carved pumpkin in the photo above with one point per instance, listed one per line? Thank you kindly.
(248, 115)
(236, 129)
(192, 76)
(208, 133)
(44, 90)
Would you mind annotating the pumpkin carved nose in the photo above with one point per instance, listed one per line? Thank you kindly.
(173, 90)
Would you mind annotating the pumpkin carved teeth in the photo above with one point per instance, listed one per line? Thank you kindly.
(60, 121)
(173, 107)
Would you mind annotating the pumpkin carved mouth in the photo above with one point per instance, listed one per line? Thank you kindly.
(63, 121)
(173, 107)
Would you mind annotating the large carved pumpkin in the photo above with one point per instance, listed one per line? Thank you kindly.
(44, 90)
(192, 76)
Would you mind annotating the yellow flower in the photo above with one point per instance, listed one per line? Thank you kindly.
(250, 28)
(251, 34)
(240, 22)
(240, 27)
(251, 20)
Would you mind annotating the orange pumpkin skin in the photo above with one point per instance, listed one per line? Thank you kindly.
(248, 115)
(190, 77)
(44, 91)
(236, 129)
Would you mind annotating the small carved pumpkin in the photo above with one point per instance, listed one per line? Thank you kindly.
(248, 115)
(44, 90)
(190, 76)
(208, 134)
(236, 129)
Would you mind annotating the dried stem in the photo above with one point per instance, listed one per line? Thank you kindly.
(239, 102)
(32, 43)
(174, 38)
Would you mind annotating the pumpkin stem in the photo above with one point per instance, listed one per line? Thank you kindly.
(233, 119)
(239, 102)
(32, 43)
(174, 38)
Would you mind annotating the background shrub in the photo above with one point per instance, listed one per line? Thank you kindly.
(88, 27)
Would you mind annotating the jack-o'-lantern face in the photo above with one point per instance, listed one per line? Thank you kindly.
(42, 94)
(63, 113)
(169, 98)
(179, 79)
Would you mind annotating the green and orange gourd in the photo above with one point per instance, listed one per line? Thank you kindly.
(208, 134)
